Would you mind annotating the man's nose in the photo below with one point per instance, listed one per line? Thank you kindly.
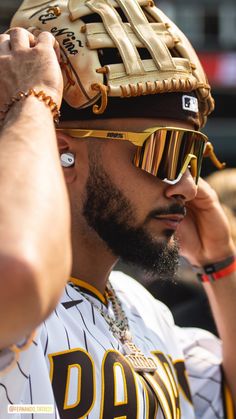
(186, 188)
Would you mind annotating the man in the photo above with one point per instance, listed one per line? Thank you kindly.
(109, 349)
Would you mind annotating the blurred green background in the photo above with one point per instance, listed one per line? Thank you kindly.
(211, 27)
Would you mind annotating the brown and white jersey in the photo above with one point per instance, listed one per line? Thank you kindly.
(77, 365)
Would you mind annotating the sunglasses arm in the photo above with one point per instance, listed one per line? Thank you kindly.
(209, 152)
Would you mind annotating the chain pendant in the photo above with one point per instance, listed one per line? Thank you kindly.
(137, 359)
(120, 329)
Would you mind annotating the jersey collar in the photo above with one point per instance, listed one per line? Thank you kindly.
(89, 289)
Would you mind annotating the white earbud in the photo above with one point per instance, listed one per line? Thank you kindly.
(67, 159)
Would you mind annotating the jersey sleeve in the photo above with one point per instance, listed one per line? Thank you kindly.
(9, 356)
(203, 360)
(15, 365)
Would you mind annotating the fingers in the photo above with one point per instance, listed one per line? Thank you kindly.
(34, 30)
(4, 43)
(46, 39)
(57, 50)
(21, 38)
(16, 39)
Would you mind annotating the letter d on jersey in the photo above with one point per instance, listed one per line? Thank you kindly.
(73, 379)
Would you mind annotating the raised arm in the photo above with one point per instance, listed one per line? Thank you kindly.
(206, 239)
(35, 250)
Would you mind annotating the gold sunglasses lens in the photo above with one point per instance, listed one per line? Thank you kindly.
(167, 154)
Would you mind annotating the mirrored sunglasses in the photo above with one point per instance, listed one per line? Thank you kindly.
(164, 152)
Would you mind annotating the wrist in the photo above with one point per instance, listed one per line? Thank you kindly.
(217, 252)
(22, 96)
(54, 93)
(26, 110)
(215, 271)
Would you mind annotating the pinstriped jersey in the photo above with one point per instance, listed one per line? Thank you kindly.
(77, 365)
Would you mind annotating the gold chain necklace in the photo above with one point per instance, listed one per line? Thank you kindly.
(119, 326)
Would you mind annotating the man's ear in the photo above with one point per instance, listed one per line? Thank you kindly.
(67, 157)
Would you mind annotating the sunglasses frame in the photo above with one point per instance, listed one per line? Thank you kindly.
(137, 138)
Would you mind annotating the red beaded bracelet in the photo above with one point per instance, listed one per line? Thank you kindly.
(218, 270)
(42, 96)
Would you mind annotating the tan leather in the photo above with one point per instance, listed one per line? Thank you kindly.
(172, 66)
(97, 36)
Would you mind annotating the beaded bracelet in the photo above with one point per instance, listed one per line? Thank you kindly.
(39, 95)
(215, 271)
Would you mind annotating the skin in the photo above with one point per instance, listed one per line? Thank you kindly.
(29, 213)
(33, 236)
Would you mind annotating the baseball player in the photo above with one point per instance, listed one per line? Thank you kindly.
(130, 147)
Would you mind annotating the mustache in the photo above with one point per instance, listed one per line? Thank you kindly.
(171, 209)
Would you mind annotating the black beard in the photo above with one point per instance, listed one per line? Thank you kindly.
(110, 214)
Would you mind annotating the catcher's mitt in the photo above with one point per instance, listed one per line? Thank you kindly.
(119, 48)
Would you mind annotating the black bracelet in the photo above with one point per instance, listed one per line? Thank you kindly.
(214, 271)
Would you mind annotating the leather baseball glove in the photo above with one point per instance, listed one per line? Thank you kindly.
(119, 48)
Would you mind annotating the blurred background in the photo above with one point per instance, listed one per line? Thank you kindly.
(211, 27)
